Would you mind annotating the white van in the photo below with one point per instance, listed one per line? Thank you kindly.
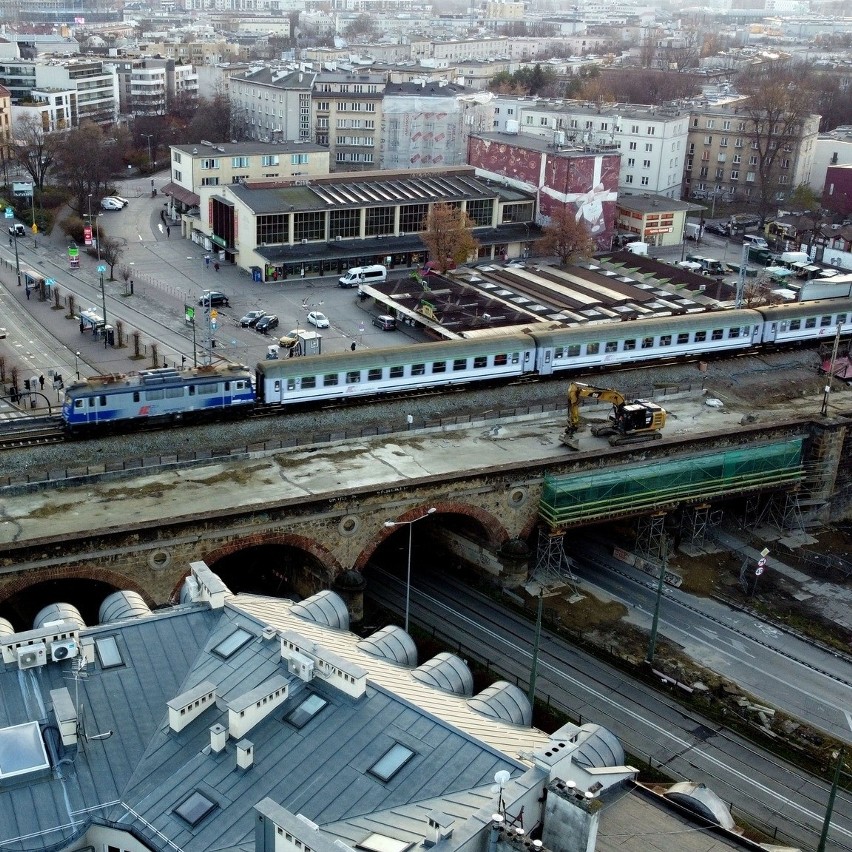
(756, 241)
(358, 275)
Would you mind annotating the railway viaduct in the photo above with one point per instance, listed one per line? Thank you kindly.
(140, 530)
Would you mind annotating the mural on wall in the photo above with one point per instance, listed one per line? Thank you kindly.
(587, 182)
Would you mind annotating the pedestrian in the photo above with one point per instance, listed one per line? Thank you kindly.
(41, 381)
(353, 346)
(168, 232)
(163, 215)
(28, 292)
(216, 266)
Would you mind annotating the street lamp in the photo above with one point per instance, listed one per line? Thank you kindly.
(101, 270)
(77, 364)
(96, 232)
(17, 259)
(411, 524)
(149, 136)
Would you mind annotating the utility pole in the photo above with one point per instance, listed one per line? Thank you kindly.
(536, 645)
(823, 838)
(652, 642)
(827, 390)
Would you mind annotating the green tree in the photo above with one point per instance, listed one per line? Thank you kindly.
(566, 237)
(448, 236)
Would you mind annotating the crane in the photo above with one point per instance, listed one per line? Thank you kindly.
(638, 420)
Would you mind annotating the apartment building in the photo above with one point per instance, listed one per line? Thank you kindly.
(347, 116)
(273, 104)
(651, 140)
(151, 86)
(54, 109)
(5, 122)
(87, 83)
(193, 53)
(723, 160)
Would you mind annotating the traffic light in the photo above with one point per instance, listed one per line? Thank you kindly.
(213, 314)
(26, 384)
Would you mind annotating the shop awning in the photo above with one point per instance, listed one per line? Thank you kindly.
(181, 194)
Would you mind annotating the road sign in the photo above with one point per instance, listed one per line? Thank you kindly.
(10, 213)
(761, 563)
(87, 235)
(101, 269)
(189, 314)
(213, 324)
(759, 570)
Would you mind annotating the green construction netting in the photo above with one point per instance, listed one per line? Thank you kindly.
(610, 492)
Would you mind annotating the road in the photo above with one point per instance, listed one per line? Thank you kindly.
(797, 677)
(763, 789)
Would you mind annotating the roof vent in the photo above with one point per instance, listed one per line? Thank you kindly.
(245, 754)
(189, 705)
(218, 738)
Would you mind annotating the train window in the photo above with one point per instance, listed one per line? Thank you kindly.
(629, 345)
(841, 319)
(700, 336)
(418, 369)
(480, 361)
(329, 380)
(717, 334)
(647, 342)
(374, 374)
(558, 352)
(154, 394)
(91, 402)
(192, 389)
(276, 386)
(78, 403)
(136, 396)
(291, 384)
(592, 348)
(459, 364)
(174, 393)
(502, 360)
(795, 325)
(227, 386)
(308, 382)
(439, 367)
(205, 390)
(353, 377)
(611, 346)
(683, 338)
(810, 322)
(665, 340)
(516, 357)
(824, 321)
(396, 372)
(733, 332)
(574, 350)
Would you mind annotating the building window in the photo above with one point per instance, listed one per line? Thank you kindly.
(644, 181)
(710, 123)
(735, 175)
(108, 652)
(708, 140)
(240, 162)
(299, 160)
(723, 142)
(481, 210)
(652, 130)
(632, 146)
(646, 164)
(649, 146)
(305, 711)
(749, 177)
(272, 228)
(210, 181)
(631, 161)
(379, 221)
(208, 163)
(269, 160)
(309, 226)
(344, 223)
(412, 218)
(628, 178)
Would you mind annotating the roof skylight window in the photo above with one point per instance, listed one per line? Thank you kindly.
(229, 646)
(304, 712)
(391, 762)
(193, 809)
(108, 652)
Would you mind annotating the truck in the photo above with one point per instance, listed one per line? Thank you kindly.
(693, 231)
(637, 248)
(709, 266)
(629, 422)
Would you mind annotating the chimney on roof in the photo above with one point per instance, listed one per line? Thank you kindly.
(218, 738)
(245, 754)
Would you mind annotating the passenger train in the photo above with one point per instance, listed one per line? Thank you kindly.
(199, 393)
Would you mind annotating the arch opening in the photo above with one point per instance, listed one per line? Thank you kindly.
(275, 569)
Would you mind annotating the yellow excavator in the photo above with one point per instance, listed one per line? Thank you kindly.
(638, 420)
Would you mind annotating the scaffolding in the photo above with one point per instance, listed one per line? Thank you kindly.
(573, 500)
(697, 522)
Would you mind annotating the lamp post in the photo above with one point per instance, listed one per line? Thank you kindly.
(17, 259)
(411, 524)
(34, 227)
(149, 136)
(652, 642)
(77, 364)
(101, 270)
(96, 232)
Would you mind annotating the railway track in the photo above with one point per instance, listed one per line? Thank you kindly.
(24, 432)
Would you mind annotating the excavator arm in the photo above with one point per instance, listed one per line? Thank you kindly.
(578, 391)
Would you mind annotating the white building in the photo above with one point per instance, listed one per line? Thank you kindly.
(150, 86)
(651, 140)
(273, 104)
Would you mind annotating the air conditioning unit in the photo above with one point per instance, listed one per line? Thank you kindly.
(65, 650)
(338, 237)
(304, 242)
(32, 656)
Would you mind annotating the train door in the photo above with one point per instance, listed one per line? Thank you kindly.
(770, 331)
(528, 365)
(545, 361)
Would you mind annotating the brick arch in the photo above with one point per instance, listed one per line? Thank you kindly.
(497, 533)
(120, 582)
(324, 556)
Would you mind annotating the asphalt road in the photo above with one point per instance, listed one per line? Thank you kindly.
(762, 789)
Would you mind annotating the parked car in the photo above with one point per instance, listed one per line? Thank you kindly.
(385, 322)
(318, 319)
(266, 323)
(717, 228)
(17, 230)
(251, 318)
(213, 299)
(113, 202)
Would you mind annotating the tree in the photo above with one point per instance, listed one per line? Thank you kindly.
(778, 108)
(212, 120)
(86, 161)
(363, 29)
(111, 253)
(448, 236)
(566, 236)
(33, 149)
(805, 199)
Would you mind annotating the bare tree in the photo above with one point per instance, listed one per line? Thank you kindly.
(778, 109)
(87, 161)
(566, 236)
(448, 236)
(111, 253)
(33, 149)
